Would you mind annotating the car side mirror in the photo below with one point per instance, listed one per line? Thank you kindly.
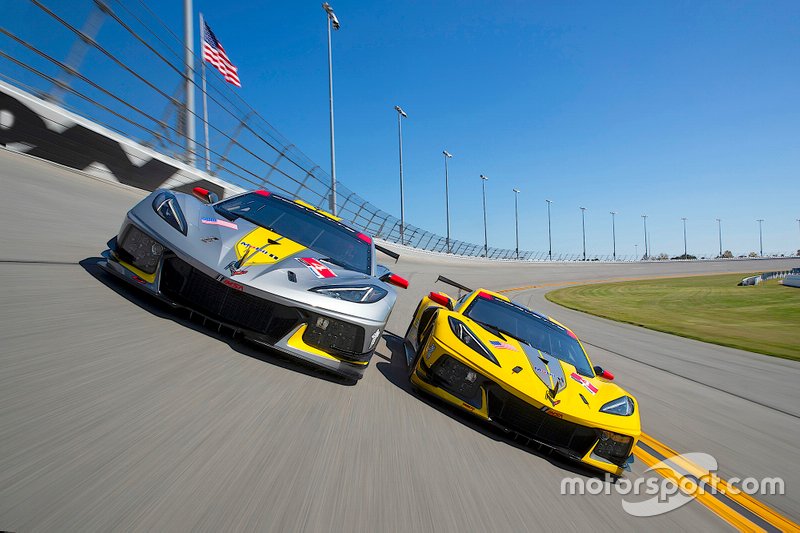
(204, 195)
(395, 280)
(605, 374)
(442, 299)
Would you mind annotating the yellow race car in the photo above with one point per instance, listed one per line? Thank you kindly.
(523, 372)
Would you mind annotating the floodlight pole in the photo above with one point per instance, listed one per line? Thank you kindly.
(447, 156)
(646, 254)
(332, 21)
(516, 219)
(485, 234)
(583, 225)
(614, 235)
(719, 228)
(400, 115)
(685, 253)
(549, 233)
(760, 240)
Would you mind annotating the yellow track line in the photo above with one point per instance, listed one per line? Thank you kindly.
(716, 505)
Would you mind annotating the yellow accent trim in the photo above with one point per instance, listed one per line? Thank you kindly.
(745, 500)
(296, 342)
(320, 211)
(149, 278)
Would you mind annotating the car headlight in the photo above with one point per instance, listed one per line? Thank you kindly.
(466, 336)
(166, 205)
(363, 294)
(622, 406)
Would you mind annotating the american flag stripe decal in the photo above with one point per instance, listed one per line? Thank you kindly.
(317, 268)
(585, 382)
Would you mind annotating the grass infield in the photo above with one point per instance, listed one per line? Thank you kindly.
(764, 318)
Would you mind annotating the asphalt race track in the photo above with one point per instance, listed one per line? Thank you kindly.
(116, 414)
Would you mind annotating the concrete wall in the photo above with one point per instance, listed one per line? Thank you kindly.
(31, 125)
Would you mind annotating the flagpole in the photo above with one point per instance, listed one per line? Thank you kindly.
(205, 97)
(189, 80)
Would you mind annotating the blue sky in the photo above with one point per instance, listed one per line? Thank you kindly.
(673, 109)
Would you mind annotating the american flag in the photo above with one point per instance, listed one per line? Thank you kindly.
(215, 54)
(502, 346)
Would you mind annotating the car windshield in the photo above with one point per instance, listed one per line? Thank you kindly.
(530, 328)
(336, 242)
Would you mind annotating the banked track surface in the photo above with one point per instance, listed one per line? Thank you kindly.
(115, 414)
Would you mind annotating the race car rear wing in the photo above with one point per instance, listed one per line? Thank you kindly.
(455, 284)
(390, 253)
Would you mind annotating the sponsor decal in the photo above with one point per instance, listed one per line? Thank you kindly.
(317, 268)
(554, 413)
(218, 222)
(229, 283)
(429, 351)
(260, 249)
(585, 382)
(209, 239)
(503, 346)
(374, 338)
(467, 406)
(137, 279)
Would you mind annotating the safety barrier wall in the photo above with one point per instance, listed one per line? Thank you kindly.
(780, 274)
(792, 280)
(41, 129)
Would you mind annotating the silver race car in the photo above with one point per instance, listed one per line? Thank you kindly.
(276, 271)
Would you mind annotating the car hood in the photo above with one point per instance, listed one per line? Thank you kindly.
(245, 252)
(249, 253)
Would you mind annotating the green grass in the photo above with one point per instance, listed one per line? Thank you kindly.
(764, 318)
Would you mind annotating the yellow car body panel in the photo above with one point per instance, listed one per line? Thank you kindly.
(431, 338)
(265, 247)
(296, 341)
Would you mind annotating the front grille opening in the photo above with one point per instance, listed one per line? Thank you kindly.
(335, 336)
(190, 287)
(527, 420)
(139, 249)
(614, 447)
(457, 379)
